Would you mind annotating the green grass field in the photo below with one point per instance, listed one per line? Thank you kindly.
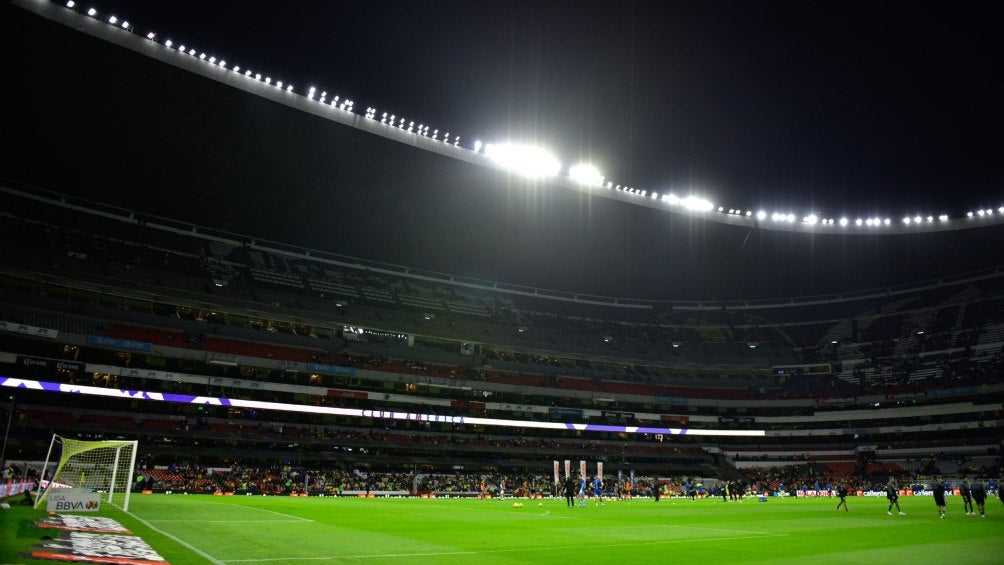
(277, 530)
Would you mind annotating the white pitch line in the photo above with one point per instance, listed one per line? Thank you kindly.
(510, 550)
(198, 551)
(269, 511)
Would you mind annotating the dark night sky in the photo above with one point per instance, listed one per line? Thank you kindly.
(842, 107)
(859, 108)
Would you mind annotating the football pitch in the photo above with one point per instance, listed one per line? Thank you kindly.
(276, 530)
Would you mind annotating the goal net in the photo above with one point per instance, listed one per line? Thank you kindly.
(104, 467)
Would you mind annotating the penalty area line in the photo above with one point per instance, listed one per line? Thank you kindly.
(508, 550)
(297, 518)
(182, 542)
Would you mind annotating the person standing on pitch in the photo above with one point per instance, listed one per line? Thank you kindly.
(842, 493)
(892, 493)
(570, 491)
(979, 496)
(967, 496)
(939, 496)
(598, 491)
(582, 491)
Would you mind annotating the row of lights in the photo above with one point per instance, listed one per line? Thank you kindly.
(537, 163)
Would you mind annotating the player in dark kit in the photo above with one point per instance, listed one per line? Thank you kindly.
(939, 497)
(892, 493)
(967, 496)
(570, 488)
(842, 493)
(979, 496)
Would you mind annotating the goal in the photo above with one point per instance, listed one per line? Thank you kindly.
(104, 467)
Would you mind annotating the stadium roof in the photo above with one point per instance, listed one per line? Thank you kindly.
(103, 122)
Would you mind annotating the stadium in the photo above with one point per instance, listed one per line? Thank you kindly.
(297, 328)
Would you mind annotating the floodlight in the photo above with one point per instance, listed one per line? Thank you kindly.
(585, 174)
(168, 43)
(268, 80)
(969, 214)
(125, 24)
(257, 76)
(525, 160)
(655, 196)
(477, 145)
(721, 208)
(289, 88)
(749, 213)
(697, 204)
(92, 12)
(672, 198)
(811, 219)
(930, 218)
(191, 51)
(868, 222)
(761, 215)
(151, 35)
(918, 219)
(278, 84)
(113, 20)
(212, 60)
(843, 221)
(1001, 209)
(943, 217)
(858, 222)
(887, 221)
(71, 4)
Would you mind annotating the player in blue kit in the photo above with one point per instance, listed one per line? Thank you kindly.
(598, 490)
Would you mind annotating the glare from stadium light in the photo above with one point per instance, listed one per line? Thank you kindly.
(524, 160)
(212, 60)
(477, 145)
(858, 222)
(843, 221)
(168, 43)
(696, 204)
(125, 24)
(71, 4)
(112, 20)
(811, 219)
(887, 221)
(585, 174)
(917, 219)
(181, 48)
(92, 12)
(761, 215)
(943, 218)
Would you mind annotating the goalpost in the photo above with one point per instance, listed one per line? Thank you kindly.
(95, 466)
